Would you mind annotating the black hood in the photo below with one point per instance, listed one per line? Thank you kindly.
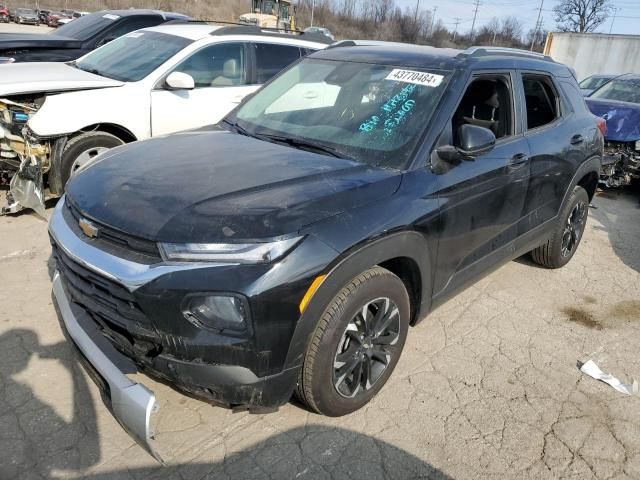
(15, 41)
(207, 186)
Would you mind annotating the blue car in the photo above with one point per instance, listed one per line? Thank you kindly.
(618, 103)
(594, 82)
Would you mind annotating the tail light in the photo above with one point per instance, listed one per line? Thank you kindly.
(602, 125)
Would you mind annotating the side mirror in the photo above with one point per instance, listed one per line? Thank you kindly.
(472, 142)
(179, 81)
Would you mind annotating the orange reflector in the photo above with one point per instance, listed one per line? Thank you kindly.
(312, 289)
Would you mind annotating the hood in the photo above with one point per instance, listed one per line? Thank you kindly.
(623, 118)
(21, 41)
(20, 78)
(208, 186)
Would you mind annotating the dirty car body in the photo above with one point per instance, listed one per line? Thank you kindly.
(618, 103)
(212, 273)
(119, 91)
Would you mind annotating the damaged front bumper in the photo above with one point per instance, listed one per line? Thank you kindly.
(620, 164)
(24, 159)
(132, 404)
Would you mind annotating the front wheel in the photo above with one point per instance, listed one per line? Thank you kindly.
(565, 238)
(356, 344)
(82, 149)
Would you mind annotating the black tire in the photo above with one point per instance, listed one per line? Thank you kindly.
(317, 383)
(85, 142)
(556, 252)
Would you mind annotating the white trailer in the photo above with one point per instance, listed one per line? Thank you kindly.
(595, 53)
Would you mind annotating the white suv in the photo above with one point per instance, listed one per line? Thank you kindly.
(54, 117)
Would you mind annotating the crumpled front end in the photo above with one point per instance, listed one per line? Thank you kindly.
(24, 159)
(620, 163)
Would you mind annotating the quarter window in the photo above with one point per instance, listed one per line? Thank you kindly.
(221, 65)
(542, 102)
(272, 58)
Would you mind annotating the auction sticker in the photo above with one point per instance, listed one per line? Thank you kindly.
(418, 78)
(111, 16)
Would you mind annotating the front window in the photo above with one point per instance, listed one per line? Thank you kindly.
(132, 57)
(623, 90)
(592, 83)
(373, 114)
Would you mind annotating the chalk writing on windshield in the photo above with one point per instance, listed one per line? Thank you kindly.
(392, 113)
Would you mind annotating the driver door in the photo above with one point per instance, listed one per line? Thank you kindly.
(482, 198)
(220, 77)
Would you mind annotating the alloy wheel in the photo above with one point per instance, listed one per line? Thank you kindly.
(366, 347)
(573, 229)
(85, 157)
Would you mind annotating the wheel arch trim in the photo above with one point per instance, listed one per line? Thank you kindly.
(406, 244)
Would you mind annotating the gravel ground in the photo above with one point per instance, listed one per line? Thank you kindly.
(487, 387)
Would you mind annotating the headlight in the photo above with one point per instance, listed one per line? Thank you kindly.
(638, 146)
(5, 60)
(218, 312)
(228, 252)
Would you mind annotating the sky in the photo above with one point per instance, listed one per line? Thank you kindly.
(627, 19)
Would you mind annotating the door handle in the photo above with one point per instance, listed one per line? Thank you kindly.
(577, 139)
(518, 160)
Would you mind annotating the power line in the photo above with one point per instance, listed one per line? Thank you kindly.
(475, 15)
(535, 33)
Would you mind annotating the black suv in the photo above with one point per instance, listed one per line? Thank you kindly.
(291, 247)
(78, 37)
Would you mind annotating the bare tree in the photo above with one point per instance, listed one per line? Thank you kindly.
(581, 15)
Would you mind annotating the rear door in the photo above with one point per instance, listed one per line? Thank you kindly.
(221, 76)
(272, 58)
(482, 199)
(556, 146)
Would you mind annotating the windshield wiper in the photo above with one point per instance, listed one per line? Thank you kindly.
(308, 145)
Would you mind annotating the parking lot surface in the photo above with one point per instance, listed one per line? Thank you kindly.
(488, 386)
(15, 28)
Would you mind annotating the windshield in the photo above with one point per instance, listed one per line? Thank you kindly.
(134, 56)
(591, 83)
(371, 113)
(25, 11)
(84, 28)
(623, 90)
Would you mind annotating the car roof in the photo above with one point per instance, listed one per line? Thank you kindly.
(138, 11)
(627, 76)
(408, 55)
(199, 30)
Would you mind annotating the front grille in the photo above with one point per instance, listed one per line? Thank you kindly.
(111, 306)
(115, 237)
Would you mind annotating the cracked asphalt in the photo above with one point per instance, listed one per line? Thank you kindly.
(488, 386)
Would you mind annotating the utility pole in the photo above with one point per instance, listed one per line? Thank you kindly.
(313, 6)
(457, 21)
(535, 33)
(433, 19)
(475, 15)
(415, 17)
(615, 12)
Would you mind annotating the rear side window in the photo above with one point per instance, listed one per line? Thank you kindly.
(272, 58)
(127, 25)
(542, 102)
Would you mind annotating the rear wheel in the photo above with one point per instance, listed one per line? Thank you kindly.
(84, 148)
(356, 345)
(565, 238)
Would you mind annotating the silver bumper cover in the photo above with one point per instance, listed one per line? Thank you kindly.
(132, 404)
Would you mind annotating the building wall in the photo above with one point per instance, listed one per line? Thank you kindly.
(591, 53)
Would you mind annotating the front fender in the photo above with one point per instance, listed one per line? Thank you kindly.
(408, 244)
(66, 113)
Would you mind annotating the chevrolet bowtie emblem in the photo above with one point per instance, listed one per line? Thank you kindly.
(89, 229)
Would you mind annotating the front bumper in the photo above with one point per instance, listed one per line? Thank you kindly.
(132, 404)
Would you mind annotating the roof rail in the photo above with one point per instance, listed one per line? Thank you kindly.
(488, 51)
(236, 28)
(365, 43)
